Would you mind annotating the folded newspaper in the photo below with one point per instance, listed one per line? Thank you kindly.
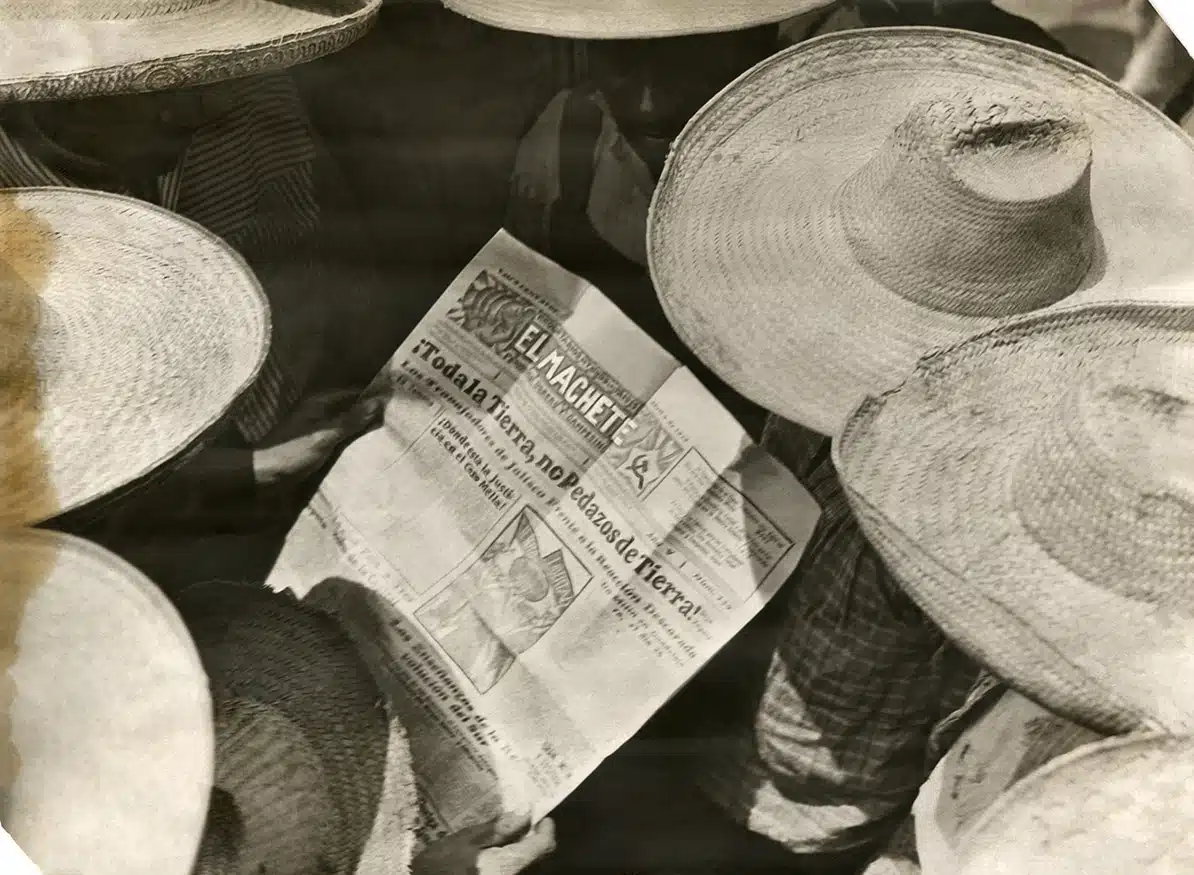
(556, 526)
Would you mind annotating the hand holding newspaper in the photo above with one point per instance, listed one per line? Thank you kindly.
(556, 526)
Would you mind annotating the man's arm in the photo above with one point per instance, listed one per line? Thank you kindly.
(214, 489)
(232, 487)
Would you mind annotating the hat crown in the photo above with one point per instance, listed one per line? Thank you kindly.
(978, 209)
(1108, 489)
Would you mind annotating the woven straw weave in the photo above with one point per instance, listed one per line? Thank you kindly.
(111, 716)
(302, 732)
(128, 333)
(1107, 808)
(1032, 489)
(279, 788)
(56, 49)
(857, 200)
(1007, 743)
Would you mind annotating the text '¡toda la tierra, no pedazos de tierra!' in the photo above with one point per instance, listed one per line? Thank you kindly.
(599, 410)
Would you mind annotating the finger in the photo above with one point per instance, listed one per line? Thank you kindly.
(365, 415)
(330, 400)
(514, 858)
(497, 831)
(317, 410)
(383, 388)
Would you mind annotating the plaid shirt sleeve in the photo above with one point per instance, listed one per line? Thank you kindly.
(858, 682)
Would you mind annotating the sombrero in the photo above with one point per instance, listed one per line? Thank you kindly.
(862, 198)
(1010, 741)
(127, 333)
(56, 49)
(1032, 489)
(631, 19)
(106, 717)
(1116, 806)
(312, 776)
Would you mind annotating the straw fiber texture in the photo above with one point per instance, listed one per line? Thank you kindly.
(862, 198)
(111, 717)
(1033, 490)
(305, 747)
(147, 329)
(1010, 741)
(1109, 808)
(264, 762)
(630, 19)
(54, 49)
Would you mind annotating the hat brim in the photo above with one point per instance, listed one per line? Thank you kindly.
(631, 19)
(278, 786)
(150, 327)
(1120, 805)
(929, 469)
(1010, 741)
(46, 58)
(111, 717)
(302, 662)
(755, 274)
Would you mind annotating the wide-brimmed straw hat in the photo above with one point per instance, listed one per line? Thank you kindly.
(1013, 738)
(105, 716)
(1032, 489)
(862, 198)
(127, 333)
(1116, 806)
(313, 777)
(55, 49)
(631, 19)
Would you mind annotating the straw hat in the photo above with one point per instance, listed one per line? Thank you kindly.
(55, 49)
(1032, 489)
(312, 776)
(1117, 806)
(861, 198)
(109, 716)
(1011, 740)
(631, 19)
(127, 333)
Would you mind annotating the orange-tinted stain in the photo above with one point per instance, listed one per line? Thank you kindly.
(26, 493)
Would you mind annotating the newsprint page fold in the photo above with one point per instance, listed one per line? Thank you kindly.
(556, 526)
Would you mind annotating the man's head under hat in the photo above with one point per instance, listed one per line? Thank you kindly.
(653, 87)
(152, 72)
(60, 49)
(655, 61)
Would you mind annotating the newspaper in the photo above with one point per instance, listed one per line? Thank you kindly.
(556, 526)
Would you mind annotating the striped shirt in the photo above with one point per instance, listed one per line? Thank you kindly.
(250, 178)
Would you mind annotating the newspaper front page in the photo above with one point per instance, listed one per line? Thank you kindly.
(556, 526)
